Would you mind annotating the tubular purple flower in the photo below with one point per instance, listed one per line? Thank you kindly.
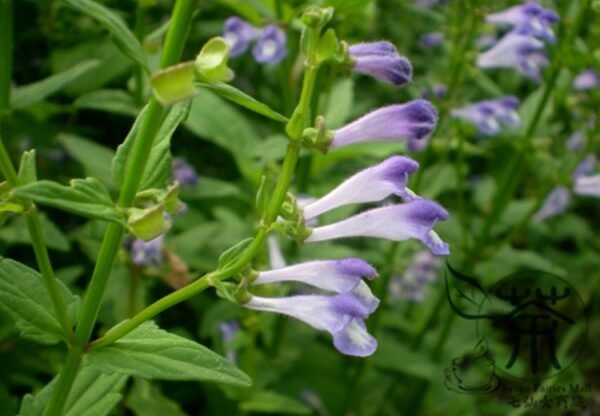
(381, 61)
(431, 40)
(521, 52)
(589, 186)
(414, 219)
(341, 315)
(183, 172)
(271, 46)
(576, 142)
(148, 253)
(585, 167)
(529, 19)
(369, 185)
(238, 34)
(413, 120)
(587, 80)
(229, 329)
(555, 203)
(490, 115)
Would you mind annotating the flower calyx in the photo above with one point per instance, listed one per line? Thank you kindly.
(318, 137)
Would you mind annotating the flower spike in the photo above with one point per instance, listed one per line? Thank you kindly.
(528, 19)
(490, 115)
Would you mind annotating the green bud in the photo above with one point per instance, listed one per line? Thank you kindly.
(175, 83)
(289, 207)
(147, 224)
(211, 62)
(316, 17)
(318, 137)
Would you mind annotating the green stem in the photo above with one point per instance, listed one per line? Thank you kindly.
(40, 250)
(136, 164)
(140, 16)
(6, 51)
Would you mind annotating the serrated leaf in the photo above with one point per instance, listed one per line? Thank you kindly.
(16, 232)
(112, 101)
(98, 165)
(158, 168)
(152, 353)
(93, 394)
(266, 401)
(86, 197)
(241, 98)
(24, 297)
(122, 36)
(27, 170)
(232, 253)
(33, 93)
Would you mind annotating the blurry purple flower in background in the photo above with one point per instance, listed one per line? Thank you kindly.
(422, 271)
(381, 61)
(576, 142)
(521, 52)
(585, 167)
(431, 40)
(238, 34)
(587, 80)
(229, 329)
(437, 91)
(555, 203)
(413, 219)
(148, 253)
(588, 186)
(271, 46)
(183, 172)
(490, 116)
(429, 3)
(413, 120)
(528, 19)
(485, 41)
(369, 185)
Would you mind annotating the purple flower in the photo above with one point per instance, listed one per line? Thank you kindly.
(576, 142)
(555, 203)
(422, 271)
(489, 116)
(238, 34)
(183, 172)
(485, 41)
(381, 61)
(148, 253)
(521, 52)
(413, 120)
(587, 80)
(585, 167)
(414, 219)
(271, 47)
(229, 329)
(589, 185)
(369, 185)
(437, 91)
(528, 19)
(340, 315)
(431, 40)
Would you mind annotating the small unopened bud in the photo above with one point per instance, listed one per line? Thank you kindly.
(147, 224)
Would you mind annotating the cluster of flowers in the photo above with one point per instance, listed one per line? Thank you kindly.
(490, 116)
(347, 300)
(523, 47)
(270, 46)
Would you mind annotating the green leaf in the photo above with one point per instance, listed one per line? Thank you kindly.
(239, 97)
(86, 197)
(146, 399)
(398, 357)
(94, 157)
(153, 353)
(33, 93)
(27, 170)
(93, 394)
(326, 46)
(232, 253)
(24, 297)
(16, 232)
(266, 401)
(122, 36)
(339, 103)
(112, 101)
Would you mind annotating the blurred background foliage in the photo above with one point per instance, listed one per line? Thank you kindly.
(79, 120)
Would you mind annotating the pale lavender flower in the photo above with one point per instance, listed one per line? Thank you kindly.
(339, 276)
(437, 91)
(528, 19)
(238, 34)
(340, 315)
(491, 115)
(588, 186)
(148, 253)
(431, 40)
(555, 203)
(587, 80)
(422, 271)
(585, 167)
(521, 52)
(369, 185)
(485, 41)
(183, 172)
(576, 142)
(381, 61)
(271, 46)
(229, 330)
(414, 219)
(413, 120)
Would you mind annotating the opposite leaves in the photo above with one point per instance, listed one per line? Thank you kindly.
(153, 353)
(24, 297)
